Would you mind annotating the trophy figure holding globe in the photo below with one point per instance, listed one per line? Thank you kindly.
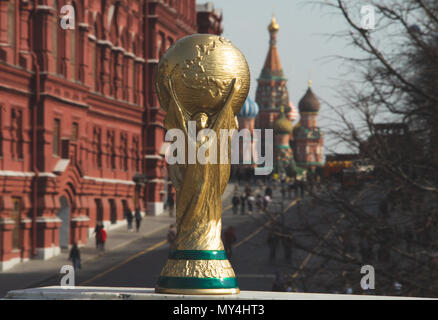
(205, 79)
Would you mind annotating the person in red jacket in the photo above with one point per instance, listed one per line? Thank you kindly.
(102, 238)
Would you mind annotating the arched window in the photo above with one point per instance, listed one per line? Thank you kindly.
(55, 24)
(16, 133)
(124, 151)
(56, 137)
(112, 149)
(11, 25)
(61, 53)
(94, 60)
(20, 134)
(97, 147)
(135, 154)
(136, 71)
(15, 216)
(73, 48)
(74, 131)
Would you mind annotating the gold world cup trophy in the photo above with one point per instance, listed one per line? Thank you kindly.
(205, 79)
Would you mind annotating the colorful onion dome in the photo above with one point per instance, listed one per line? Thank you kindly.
(282, 125)
(250, 109)
(309, 102)
(292, 114)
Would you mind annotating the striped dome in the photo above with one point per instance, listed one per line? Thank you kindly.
(292, 114)
(250, 109)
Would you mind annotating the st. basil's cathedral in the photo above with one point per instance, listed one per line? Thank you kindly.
(297, 148)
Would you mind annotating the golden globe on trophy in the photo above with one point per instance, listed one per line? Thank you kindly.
(205, 79)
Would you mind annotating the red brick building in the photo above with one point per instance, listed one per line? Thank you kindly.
(80, 124)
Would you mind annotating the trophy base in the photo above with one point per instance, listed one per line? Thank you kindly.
(197, 291)
(197, 272)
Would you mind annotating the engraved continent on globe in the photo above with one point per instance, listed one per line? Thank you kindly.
(202, 68)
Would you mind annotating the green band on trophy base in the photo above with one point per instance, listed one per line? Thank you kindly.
(198, 255)
(197, 283)
(185, 285)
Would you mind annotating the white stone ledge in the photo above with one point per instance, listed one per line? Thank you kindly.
(6, 221)
(80, 218)
(110, 293)
(106, 180)
(9, 173)
(47, 219)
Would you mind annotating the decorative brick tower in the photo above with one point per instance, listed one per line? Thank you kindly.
(271, 92)
(308, 138)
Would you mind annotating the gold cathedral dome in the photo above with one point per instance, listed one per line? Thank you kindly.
(274, 25)
(282, 125)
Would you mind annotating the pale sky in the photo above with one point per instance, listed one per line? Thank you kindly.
(303, 45)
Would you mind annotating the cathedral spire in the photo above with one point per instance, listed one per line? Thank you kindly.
(272, 93)
(273, 27)
(272, 69)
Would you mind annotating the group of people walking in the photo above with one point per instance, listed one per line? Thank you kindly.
(75, 253)
(292, 186)
(249, 204)
(246, 203)
(131, 217)
(100, 234)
